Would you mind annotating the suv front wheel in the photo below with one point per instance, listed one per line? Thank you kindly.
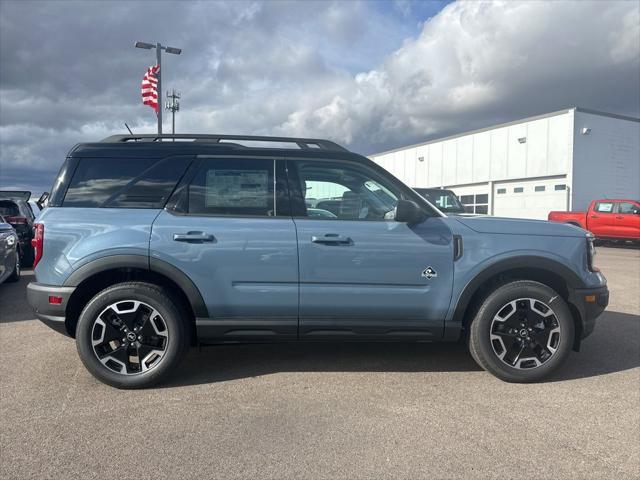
(522, 332)
(131, 335)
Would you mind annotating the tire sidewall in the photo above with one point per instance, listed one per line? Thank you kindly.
(481, 328)
(152, 296)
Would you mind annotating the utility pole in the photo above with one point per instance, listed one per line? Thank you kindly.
(159, 48)
(173, 104)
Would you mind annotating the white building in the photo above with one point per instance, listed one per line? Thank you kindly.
(524, 169)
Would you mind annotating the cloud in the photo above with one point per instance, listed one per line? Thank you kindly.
(369, 75)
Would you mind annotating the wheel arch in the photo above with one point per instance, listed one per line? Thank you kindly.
(99, 274)
(544, 270)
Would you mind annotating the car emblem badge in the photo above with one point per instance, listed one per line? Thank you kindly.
(429, 273)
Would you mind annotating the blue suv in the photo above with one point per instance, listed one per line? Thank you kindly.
(151, 244)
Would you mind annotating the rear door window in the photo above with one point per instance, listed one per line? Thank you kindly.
(124, 182)
(604, 207)
(237, 187)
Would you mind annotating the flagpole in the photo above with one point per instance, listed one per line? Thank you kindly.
(159, 48)
(158, 59)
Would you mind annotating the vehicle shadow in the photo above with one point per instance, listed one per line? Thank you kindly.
(231, 362)
(13, 300)
(613, 347)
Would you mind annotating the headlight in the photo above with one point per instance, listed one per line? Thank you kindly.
(591, 252)
(11, 240)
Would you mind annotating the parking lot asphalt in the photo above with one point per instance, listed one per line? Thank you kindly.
(325, 411)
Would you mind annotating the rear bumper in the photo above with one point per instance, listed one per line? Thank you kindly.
(590, 303)
(51, 314)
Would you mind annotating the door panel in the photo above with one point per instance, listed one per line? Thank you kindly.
(247, 274)
(601, 221)
(360, 270)
(627, 221)
(223, 233)
(373, 285)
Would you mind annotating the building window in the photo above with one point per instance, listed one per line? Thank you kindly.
(518, 190)
(476, 203)
(540, 188)
(560, 187)
(501, 191)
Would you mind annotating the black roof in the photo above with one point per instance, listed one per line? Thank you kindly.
(197, 144)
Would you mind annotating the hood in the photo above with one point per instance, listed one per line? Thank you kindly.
(517, 226)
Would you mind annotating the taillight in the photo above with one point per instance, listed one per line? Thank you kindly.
(37, 242)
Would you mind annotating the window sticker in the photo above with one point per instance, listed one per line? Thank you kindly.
(237, 188)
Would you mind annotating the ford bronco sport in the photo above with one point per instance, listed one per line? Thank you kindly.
(151, 244)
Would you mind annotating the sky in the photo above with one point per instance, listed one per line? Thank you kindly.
(371, 75)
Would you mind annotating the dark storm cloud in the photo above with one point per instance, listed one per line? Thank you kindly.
(362, 73)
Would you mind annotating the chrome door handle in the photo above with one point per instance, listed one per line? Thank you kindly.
(194, 237)
(332, 239)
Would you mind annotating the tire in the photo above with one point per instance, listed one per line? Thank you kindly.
(522, 332)
(15, 275)
(132, 320)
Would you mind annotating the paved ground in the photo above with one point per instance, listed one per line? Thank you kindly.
(332, 411)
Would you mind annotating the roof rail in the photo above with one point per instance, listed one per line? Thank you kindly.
(302, 143)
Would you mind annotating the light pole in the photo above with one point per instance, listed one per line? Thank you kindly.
(173, 105)
(159, 48)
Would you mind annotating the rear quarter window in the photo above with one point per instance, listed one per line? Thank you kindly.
(124, 182)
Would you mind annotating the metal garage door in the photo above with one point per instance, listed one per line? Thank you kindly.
(530, 198)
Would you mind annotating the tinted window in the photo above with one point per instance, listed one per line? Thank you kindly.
(345, 191)
(560, 187)
(628, 208)
(9, 209)
(540, 188)
(483, 209)
(518, 190)
(502, 190)
(234, 187)
(466, 199)
(604, 207)
(124, 182)
(482, 198)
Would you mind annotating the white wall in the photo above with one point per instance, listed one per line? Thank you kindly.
(606, 163)
(491, 155)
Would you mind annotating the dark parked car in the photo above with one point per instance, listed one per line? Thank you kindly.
(445, 200)
(17, 211)
(9, 259)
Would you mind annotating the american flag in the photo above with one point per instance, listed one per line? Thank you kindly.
(150, 88)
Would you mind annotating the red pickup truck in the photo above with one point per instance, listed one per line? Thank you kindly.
(606, 219)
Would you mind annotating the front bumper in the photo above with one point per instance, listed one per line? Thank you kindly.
(53, 315)
(590, 303)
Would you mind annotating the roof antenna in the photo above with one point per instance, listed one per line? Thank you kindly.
(125, 124)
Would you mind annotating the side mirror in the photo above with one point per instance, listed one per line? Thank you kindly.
(42, 201)
(408, 212)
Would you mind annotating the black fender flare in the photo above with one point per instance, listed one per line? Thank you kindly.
(571, 279)
(142, 262)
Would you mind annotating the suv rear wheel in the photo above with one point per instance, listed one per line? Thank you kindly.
(131, 335)
(522, 332)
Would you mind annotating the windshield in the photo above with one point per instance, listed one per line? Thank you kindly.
(445, 200)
